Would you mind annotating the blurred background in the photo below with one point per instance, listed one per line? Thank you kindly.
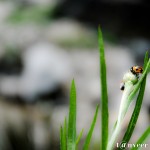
(44, 44)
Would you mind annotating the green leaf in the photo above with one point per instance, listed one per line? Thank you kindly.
(104, 95)
(79, 137)
(137, 108)
(65, 135)
(61, 138)
(71, 141)
(89, 135)
(143, 138)
(145, 60)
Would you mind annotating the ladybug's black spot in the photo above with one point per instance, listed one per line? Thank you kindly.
(122, 88)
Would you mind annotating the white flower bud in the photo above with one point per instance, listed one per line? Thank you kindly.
(129, 76)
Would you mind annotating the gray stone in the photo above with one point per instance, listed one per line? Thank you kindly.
(26, 124)
(5, 10)
(45, 68)
(65, 31)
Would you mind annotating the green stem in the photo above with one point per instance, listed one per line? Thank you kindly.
(122, 111)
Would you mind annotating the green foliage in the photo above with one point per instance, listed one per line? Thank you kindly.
(104, 95)
(68, 139)
(89, 135)
(79, 137)
(63, 136)
(71, 144)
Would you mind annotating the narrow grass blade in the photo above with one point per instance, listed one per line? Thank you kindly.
(79, 137)
(145, 60)
(137, 108)
(142, 139)
(65, 135)
(104, 95)
(89, 135)
(71, 141)
(61, 138)
(149, 69)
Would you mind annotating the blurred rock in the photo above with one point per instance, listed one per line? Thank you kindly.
(9, 86)
(10, 61)
(20, 37)
(45, 69)
(36, 2)
(23, 128)
(69, 32)
(64, 32)
(5, 9)
(44, 2)
(138, 47)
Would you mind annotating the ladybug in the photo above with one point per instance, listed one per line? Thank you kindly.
(136, 70)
